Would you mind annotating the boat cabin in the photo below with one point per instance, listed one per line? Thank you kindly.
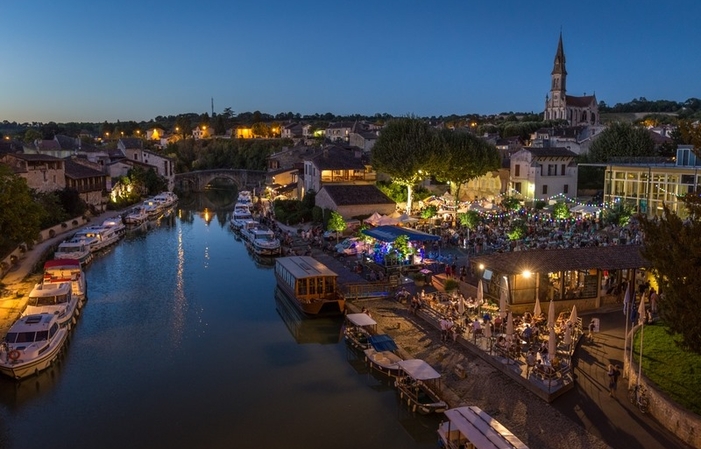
(50, 294)
(470, 427)
(306, 278)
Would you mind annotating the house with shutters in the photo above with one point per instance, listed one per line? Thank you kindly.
(542, 173)
(133, 150)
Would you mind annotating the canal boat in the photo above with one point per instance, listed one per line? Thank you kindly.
(31, 345)
(245, 197)
(153, 209)
(53, 299)
(75, 249)
(260, 239)
(97, 237)
(136, 216)
(116, 224)
(166, 199)
(471, 427)
(241, 215)
(382, 357)
(418, 385)
(357, 330)
(310, 285)
(70, 271)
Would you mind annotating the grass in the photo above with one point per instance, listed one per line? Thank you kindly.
(676, 372)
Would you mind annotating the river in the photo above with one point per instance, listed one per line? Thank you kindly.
(183, 344)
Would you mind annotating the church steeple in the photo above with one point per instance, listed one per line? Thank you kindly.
(559, 73)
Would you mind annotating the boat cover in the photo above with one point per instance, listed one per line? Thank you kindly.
(61, 263)
(418, 369)
(382, 342)
(483, 431)
(361, 319)
(390, 234)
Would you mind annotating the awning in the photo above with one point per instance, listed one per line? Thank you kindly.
(390, 234)
(382, 342)
(360, 319)
(482, 430)
(418, 369)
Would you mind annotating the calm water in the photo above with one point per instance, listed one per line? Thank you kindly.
(183, 343)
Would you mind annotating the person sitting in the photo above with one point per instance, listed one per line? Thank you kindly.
(527, 317)
(527, 334)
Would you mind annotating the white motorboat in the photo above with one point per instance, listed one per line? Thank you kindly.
(53, 299)
(136, 216)
(470, 426)
(382, 355)
(97, 237)
(116, 224)
(153, 208)
(245, 197)
(67, 270)
(260, 239)
(31, 345)
(357, 329)
(166, 199)
(75, 249)
(241, 214)
(417, 385)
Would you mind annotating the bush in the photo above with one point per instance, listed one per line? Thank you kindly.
(450, 284)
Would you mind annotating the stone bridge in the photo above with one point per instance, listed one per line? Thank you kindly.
(196, 181)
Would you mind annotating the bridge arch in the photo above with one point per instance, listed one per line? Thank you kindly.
(198, 180)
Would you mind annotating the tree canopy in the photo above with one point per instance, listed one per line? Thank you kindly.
(673, 247)
(621, 140)
(21, 216)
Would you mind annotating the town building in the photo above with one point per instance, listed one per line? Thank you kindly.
(337, 165)
(354, 200)
(89, 180)
(576, 110)
(43, 173)
(133, 149)
(542, 173)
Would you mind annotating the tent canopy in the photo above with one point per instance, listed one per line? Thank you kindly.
(418, 369)
(360, 319)
(390, 234)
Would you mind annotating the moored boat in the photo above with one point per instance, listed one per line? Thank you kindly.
(67, 270)
(97, 237)
(262, 241)
(357, 330)
(381, 356)
(31, 345)
(116, 225)
(166, 199)
(241, 215)
(53, 299)
(136, 216)
(471, 427)
(75, 249)
(310, 285)
(245, 197)
(418, 385)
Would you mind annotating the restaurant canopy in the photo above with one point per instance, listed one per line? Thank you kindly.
(390, 234)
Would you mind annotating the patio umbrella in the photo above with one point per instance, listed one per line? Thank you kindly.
(552, 344)
(626, 299)
(487, 330)
(536, 309)
(503, 297)
(568, 336)
(510, 325)
(461, 306)
(551, 315)
(573, 316)
(480, 293)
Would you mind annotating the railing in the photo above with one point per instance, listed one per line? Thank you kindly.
(367, 290)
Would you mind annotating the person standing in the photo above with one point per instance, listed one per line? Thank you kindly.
(614, 373)
(653, 300)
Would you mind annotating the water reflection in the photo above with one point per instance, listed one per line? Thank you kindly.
(319, 330)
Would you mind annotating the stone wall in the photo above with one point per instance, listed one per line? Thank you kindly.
(683, 423)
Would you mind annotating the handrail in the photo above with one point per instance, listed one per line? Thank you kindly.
(367, 290)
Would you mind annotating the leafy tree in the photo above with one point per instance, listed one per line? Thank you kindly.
(621, 140)
(21, 216)
(690, 134)
(511, 204)
(401, 246)
(464, 157)
(561, 210)
(52, 210)
(518, 230)
(673, 247)
(71, 202)
(619, 214)
(429, 212)
(336, 223)
(31, 135)
(405, 151)
(469, 219)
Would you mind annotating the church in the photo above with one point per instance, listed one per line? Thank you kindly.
(575, 110)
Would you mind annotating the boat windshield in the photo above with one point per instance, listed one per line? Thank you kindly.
(26, 337)
(39, 301)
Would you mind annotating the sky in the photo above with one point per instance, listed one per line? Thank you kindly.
(95, 61)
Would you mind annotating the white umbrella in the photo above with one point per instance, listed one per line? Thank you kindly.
(551, 315)
(480, 293)
(487, 330)
(503, 297)
(461, 306)
(573, 315)
(510, 325)
(641, 310)
(536, 309)
(373, 219)
(552, 344)
(626, 299)
(568, 335)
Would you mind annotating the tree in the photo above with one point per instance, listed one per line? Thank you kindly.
(469, 219)
(464, 157)
(618, 215)
(621, 140)
(690, 134)
(406, 151)
(673, 247)
(21, 216)
(561, 211)
(336, 223)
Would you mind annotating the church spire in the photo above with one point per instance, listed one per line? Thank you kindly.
(559, 65)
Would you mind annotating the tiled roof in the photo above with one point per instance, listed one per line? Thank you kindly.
(48, 145)
(621, 257)
(36, 157)
(551, 152)
(67, 143)
(74, 170)
(580, 102)
(337, 158)
(132, 143)
(352, 195)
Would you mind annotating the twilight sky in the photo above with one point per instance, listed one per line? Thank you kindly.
(92, 60)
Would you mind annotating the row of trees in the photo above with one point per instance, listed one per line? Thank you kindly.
(410, 150)
(223, 153)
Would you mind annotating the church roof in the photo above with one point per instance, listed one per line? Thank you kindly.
(581, 102)
(559, 63)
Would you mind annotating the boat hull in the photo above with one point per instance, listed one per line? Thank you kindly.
(384, 362)
(20, 369)
(319, 307)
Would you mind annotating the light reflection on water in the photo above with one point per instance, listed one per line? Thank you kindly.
(183, 343)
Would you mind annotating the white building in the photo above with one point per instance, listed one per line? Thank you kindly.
(541, 173)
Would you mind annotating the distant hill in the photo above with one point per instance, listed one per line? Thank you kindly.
(608, 117)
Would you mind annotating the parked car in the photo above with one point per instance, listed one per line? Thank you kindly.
(351, 246)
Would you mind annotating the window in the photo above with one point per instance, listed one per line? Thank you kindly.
(552, 170)
(566, 189)
(545, 190)
(517, 187)
(517, 170)
(563, 169)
